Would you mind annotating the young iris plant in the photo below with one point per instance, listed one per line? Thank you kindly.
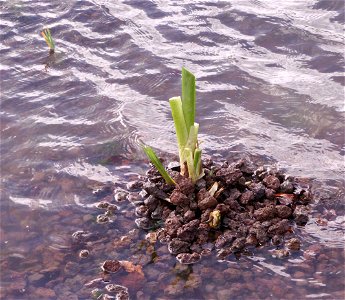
(49, 39)
(183, 113)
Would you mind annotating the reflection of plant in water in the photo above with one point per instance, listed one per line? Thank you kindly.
(183, 113)
(49, 40)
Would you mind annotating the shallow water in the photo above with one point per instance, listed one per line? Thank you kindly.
(270, 86)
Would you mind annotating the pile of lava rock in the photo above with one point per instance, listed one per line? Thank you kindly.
(246, 208)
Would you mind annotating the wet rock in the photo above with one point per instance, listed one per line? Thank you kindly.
(151, 203)
(102, 219)
(120, 195)
(177, 246)
(153, 190)
(300, 215)
(134, 185)
(281, 253)
(84, 253)
(246, 197)
(188, 231)
(115, 288)
(258, 190)
(277, 240)
(157, 214)
(122, 295)
(271, 182)
(283, 211)
(142, 211)
(111, 266)
(251, 240)
(144, 223)
(188, 258)
(294, 244)
(238, 244)
(178, 198)
(229, 175)
(280, 228)
(225, 239)
(205, 200)
(172, 224)
(265, 213)
(286, 187)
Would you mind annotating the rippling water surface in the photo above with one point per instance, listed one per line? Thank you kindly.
(270, 85)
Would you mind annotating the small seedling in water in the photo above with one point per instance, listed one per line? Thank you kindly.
(183, 113)
(49, 40)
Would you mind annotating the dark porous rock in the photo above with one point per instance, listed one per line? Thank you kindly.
(172, 224)
(232, 194)
(258, 189)
(188, 258)
(111, 266)
(229, 175)
(222, 208)
(151, 202)
(188, 231)
(233, 205)
(202, 233)
(269, 193)
(300, 215)
(144, 223)
(261, 235)
(293, 244)
(272, 182)
(238, 244)
(279, 228)
(178, 198)
(185, 185)
(286, 187)
(142, 211)
(266, 213)
(283, 211)
(120, 195)
(153, 190)
(134, 185)
(205, 200)
(246, 166)
(246, 197)
(225, 239)
(189, 215)
(177, 246)
(205, 216)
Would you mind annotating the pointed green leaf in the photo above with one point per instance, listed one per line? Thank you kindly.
(158, 164)
(188, 97)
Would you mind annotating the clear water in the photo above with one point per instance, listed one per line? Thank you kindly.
(270, 86)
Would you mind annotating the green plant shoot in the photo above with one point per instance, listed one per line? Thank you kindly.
(183, 113)
(49, 39)
(158, 164)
